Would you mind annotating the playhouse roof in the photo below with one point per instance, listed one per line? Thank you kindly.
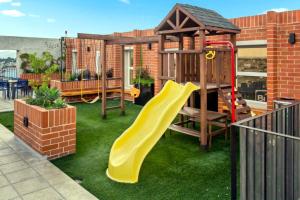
(185, 16)
(209, 17)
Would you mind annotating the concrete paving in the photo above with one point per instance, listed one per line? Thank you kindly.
(24, 174)
(6, 105)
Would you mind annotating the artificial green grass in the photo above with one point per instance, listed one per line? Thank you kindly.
(176, 168)
(7, 120)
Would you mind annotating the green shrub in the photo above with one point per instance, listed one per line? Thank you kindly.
(46, 97)
(31, 63)
(142, 77)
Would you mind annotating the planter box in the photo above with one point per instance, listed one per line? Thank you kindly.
(38, 77)
(146, 94)
(52, 133)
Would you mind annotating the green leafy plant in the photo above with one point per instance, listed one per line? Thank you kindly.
(25, 66)
(142, 77)
(73, 77)
(31, 63)
(46, 97)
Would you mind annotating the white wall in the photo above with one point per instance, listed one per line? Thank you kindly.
(30, 45)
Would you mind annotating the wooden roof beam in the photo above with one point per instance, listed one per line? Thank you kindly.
(98, 37)
(124, 40)
(184, 22)
(171, 24)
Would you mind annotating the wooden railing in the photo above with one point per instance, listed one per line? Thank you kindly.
(269, 155)
(184, 66)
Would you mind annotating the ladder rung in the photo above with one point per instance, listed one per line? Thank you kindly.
(113, 107)
(113, 97)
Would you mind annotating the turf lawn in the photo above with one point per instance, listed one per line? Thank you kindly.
(176, 168)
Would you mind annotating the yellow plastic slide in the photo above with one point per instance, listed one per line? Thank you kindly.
(130, 149)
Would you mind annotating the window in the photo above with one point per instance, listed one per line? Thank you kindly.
(98, 65)
(252, 74)
(74, 61)
(128, 66)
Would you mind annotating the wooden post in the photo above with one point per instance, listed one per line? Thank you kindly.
(203, 91)
(161, 47)
(181, 60)
(122, 81)
(103, 75)
(218, 67)
(233, 41)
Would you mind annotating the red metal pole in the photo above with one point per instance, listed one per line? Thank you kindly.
(230, 45)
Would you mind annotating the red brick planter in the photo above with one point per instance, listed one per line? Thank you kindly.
(50, 132)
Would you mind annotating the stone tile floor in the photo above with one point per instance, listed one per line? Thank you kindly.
(6, 105)
(24, 174)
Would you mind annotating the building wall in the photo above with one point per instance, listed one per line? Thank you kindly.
(283, 59)
(30, 45)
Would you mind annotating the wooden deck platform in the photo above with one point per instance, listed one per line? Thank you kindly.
(211, 87)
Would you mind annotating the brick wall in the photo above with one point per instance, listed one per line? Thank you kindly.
(283, 59)
(50, 132)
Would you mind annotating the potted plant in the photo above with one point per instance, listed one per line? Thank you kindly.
(145, 83)
(110, 73)
(45, 122)
(34, 66)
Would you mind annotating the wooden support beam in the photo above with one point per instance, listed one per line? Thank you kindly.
(193, 29)
(181, 59)
(218, 68)
(99, 37)
(103, 67)
(161, 47)
(184, 22)
(177, 18)
(203, 92)
(171, 24)
(122, 63)
(125, 40)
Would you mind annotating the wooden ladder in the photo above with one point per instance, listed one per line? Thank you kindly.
(105, 84)
(242, 109)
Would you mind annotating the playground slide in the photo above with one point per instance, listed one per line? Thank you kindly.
(130, 149)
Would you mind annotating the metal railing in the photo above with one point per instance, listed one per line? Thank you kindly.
(269, 155)
(8, 73)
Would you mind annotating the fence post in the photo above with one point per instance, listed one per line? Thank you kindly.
(233, 155)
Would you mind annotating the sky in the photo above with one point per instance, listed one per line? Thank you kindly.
(7, 53)
(50, 18)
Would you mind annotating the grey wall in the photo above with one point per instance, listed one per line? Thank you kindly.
(30, 45)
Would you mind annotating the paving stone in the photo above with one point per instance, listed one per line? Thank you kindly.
(9, 158)
(21, 175)
(57, 178)
(3, 181)
(31, 185)
(30, 157)
(45, 194)
(47, 169)
(14, 166)
(24, 172)
(6, 151)
(3, 145)
(8, 192)
(71, 190)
